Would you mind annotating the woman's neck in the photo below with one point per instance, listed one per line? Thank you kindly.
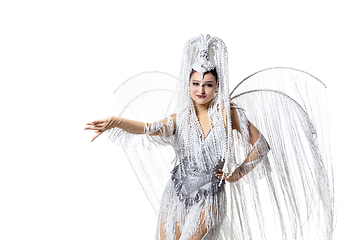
(201, 108)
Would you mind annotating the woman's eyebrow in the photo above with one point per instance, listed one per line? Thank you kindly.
(208, 81)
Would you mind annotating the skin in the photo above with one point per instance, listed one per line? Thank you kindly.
(97, 126)
(202, 94)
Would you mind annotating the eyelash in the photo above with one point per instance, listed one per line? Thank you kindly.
(207, 85)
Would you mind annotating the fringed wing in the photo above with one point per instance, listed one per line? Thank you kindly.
(294, 199)
(132, 91)
(147, 97)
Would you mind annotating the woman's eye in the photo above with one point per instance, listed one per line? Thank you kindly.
(209, 85)
(195, 84)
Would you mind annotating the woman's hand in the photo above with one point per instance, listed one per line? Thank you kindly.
(235, 176)
(98, 126)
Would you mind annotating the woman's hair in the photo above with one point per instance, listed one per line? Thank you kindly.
(213, 72)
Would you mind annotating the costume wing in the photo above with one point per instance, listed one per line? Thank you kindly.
(289, 107)
(150, 95)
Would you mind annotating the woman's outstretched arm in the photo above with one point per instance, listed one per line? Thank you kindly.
(157, 128)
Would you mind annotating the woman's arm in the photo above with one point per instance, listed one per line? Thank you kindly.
(259, 150)
(164, 127)
(254, 133)
(256, 139)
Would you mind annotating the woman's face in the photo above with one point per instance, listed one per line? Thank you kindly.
(202, 93)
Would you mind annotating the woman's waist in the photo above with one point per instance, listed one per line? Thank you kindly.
(201, 165)
(196, 171)
(192, 185)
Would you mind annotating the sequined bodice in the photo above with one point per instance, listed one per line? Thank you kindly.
(194, 178)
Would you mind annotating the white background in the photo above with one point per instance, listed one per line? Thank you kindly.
(61, 60)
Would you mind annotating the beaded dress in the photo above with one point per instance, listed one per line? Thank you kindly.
(194, 191)
(286, 193)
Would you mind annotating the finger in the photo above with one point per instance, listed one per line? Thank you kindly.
(222, 173)
(90, 124)
(98, 121)
(99, 124)
(219, 176)
(96, 135)
(93, 122)
(93, 128)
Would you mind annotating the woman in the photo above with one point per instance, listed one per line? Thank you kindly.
(213, 142)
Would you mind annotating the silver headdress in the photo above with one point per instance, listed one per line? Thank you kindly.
(203, 64)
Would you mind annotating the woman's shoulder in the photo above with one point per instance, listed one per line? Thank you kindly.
(236, 110)
(173, 116)
(234, 106)
(238, 116)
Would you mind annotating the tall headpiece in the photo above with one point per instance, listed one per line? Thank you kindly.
(203, 54)
(203, 64)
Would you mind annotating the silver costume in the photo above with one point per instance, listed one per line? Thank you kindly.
(194, 190)
(286, 193)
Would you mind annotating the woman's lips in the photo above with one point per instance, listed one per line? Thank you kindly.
(200, 96)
